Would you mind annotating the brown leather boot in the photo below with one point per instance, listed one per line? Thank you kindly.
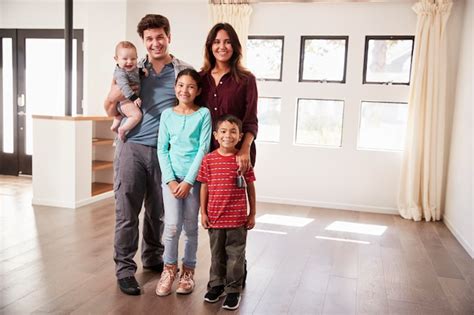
(186, 281)
(163, 288)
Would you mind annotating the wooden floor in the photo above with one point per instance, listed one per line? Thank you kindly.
(60, 261)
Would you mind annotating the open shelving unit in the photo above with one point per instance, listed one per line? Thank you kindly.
(74, 167)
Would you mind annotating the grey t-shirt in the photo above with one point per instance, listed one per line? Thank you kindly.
(157, 94)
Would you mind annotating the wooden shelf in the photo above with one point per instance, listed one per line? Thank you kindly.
(101, 165)
(102, 141)
(100, 188)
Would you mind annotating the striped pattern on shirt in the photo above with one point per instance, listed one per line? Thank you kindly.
(227, 204)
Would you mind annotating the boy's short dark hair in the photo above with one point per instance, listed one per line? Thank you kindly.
(230, 118)
(150, 21)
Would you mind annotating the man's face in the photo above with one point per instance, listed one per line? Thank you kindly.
(156, 42)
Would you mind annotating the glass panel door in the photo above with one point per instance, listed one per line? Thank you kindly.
(8, 121)
(32, 83)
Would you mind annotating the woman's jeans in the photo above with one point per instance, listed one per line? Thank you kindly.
(181, 214)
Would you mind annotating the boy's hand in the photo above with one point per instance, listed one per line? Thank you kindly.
(138, 102)
(205, 221)
(182, 190)
(250, 224)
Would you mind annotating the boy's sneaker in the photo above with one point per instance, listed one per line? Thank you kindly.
(232, 301)
(214, 294)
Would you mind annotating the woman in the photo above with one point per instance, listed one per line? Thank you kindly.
(228, 88)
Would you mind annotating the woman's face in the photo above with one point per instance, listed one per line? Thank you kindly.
(221, 47)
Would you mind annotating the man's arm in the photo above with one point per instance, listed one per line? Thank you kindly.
(113, 97)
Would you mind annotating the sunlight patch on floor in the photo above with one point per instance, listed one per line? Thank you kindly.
(284, 220)
(341, 240)
(359, 228)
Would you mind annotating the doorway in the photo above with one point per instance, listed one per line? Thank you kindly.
(32, 76)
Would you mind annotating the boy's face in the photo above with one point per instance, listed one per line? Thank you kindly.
(228, 135)
(126, 58)
(156, 42)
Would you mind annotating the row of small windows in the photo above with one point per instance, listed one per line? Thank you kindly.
(387, 59)
(319, 122)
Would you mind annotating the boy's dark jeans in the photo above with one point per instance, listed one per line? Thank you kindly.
(227, 258)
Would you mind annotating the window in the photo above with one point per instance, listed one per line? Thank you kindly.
(382, 125)
(269, 109)
(319, 122)
(387, 59)
(323, 58)
(265, 57)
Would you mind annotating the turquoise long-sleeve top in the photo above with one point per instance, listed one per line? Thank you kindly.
(183, 140)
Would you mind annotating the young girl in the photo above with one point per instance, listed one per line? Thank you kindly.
(183, 140)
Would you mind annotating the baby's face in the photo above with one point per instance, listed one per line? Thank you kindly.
(127, 58)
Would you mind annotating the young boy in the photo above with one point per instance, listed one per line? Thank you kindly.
(127, 73)
(224, 213)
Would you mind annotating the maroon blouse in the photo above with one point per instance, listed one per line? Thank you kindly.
(229, 97)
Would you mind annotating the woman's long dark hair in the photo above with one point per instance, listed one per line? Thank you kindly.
(235, 62)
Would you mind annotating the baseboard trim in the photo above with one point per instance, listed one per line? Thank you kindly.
(52, 203)
(330, 205)
(469, 249)
(72, 204)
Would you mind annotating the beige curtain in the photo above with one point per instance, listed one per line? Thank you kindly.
(237, 15)
(422, 167)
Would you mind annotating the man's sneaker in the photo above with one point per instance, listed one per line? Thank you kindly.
(214, 294)
(186, 281)
(129, 286)
(232, 301)
(156, 268)
(163, 288)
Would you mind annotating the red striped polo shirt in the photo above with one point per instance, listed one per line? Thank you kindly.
(227, 204)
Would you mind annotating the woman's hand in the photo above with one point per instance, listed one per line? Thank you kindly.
(243, 159)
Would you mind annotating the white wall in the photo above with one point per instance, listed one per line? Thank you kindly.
(341, 178)
(459, 210)
(103, 23)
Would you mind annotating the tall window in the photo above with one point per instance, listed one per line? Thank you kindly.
(265, 57)
(323, 58)
(319, 122)
(387, 59)
(269, 109)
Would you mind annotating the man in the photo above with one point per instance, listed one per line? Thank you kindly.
(137, 174)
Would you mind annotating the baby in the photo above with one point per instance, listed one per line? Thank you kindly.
(127, 74)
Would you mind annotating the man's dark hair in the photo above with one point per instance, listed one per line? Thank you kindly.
(150, 21)
(230, 118)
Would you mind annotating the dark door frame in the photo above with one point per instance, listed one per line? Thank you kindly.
(19, 162)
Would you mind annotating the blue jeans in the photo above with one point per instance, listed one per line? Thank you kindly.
(181, 214)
